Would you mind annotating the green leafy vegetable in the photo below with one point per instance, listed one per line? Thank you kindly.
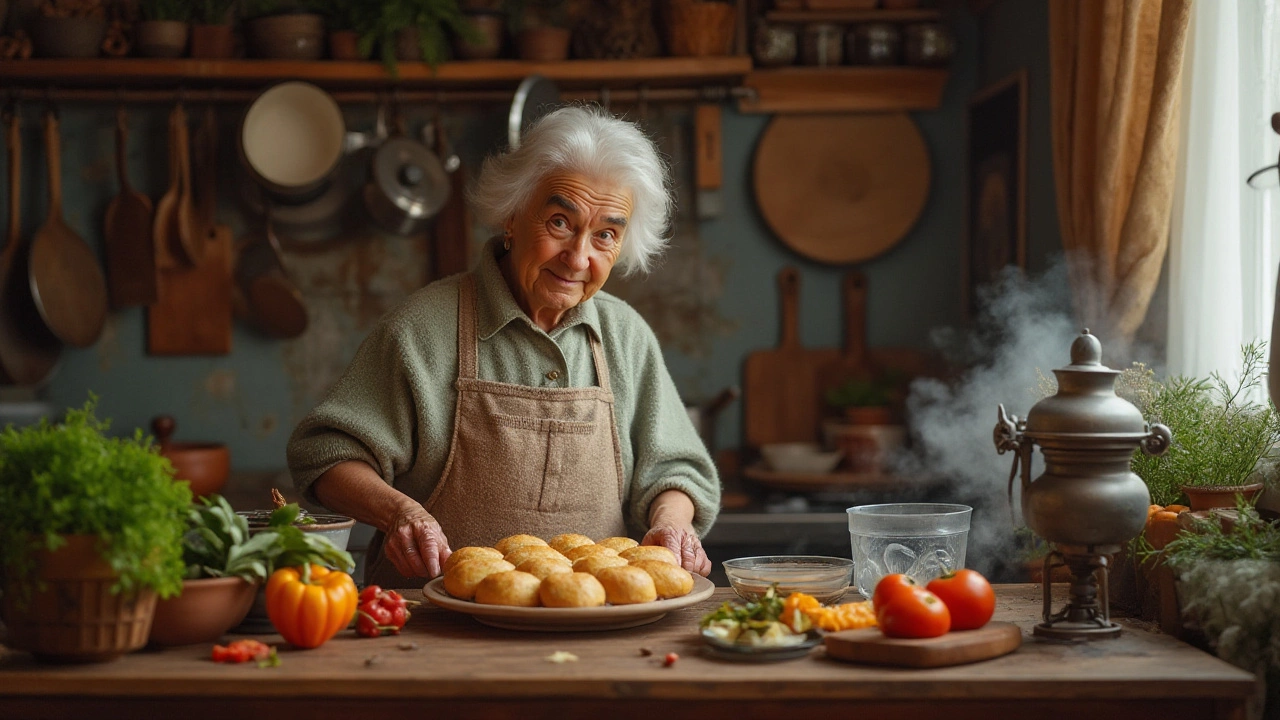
(219, 543)
(70, 478)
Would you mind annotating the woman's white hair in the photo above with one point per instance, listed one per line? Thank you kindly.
(588, 141)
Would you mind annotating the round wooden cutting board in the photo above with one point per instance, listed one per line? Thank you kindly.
(841, 188)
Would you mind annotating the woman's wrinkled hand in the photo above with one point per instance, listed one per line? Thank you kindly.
(416, 544)
(683, 541)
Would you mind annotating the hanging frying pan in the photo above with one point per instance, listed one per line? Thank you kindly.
(536, 96)
(841, 189)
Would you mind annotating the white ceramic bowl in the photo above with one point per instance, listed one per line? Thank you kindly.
(799, 457)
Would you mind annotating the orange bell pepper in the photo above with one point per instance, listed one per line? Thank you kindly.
(310, 604)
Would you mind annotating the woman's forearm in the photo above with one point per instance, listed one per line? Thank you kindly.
(671, 507)
(356, 490)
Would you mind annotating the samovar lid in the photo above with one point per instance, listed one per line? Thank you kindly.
(1086, 402)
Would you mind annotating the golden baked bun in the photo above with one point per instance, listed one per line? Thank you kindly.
(650, 552)
(511, 542)
(568, 541)
(627, 585)
(593, 564)
(462, 580)
(515, 588)
(573, 589)
(618, 543)
(542, 567)
(576, 554)
(528, 552)
(670, 581)
(471, 552)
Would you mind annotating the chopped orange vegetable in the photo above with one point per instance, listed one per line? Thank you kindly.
(848, 616)
(1176, 508)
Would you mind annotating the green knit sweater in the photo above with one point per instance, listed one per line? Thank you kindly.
(393, 407)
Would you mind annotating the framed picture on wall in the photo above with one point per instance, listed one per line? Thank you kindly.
(995, 184)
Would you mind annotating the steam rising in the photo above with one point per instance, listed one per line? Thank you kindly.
(1022, 326)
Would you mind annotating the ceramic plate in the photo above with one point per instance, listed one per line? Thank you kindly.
(750, 653)
(609, 617)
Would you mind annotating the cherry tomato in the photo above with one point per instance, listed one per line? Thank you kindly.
(890, 586)
(968, 596)
(915, 614)
(369, 593)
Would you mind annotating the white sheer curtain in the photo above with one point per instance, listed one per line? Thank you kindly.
(1225, 239)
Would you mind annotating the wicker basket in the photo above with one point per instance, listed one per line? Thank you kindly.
(76, 618)
(699, 29)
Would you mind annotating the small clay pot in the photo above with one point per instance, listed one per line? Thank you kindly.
(204, 465)
(1204, 498)
(408, 49)
(162, 38)
(543, 44)
(297, 36)
(879, 415)
(212, 42)
(70, 37)
(490, 27)
(206, 609)
(344, 45)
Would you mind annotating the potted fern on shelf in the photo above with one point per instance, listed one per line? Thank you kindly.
(415, 31)
(348, 21)
(86, 521)
(211, 36)
(163, 33)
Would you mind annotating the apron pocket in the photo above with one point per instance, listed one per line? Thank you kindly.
(562, 481)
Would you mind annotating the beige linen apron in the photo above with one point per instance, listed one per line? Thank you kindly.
(542, 461)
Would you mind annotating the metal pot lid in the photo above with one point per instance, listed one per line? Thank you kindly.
(536, 96)
(411, 177)
(1086, 402)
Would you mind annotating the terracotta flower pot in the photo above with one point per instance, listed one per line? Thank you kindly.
(882, 415)
(76, 618)
(544, 44)
(70, 37)
(206, 609)
(490, 27)
(212, 42)
(298, 36)
(162, 38)
(700, 29)
(1204, 498)
(408, 49)
(344, 45)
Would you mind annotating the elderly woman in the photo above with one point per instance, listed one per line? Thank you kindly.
(518, 397)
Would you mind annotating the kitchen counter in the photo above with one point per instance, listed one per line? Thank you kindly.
(459, 668)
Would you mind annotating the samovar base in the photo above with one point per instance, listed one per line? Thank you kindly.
(1076, 630)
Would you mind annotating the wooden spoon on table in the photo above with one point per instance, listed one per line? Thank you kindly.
(28, 351)
(67, 284)
(131, 257)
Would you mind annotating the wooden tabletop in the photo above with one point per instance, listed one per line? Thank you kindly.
(467, 668)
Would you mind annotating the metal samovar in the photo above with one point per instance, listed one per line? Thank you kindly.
(1087, 503)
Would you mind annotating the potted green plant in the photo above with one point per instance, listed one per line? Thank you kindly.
(211, 36)
(865, 429)
(347, 21)
(164, 29)
(86, 521)
(284, 29)
(1222, 437)
(68, 28)
(226, 565)
(415, 30)
(542, 28)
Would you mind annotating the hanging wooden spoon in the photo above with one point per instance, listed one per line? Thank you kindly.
(28, 351)
(67, 284)
(190, 240)
(131, 258)
(163, 230)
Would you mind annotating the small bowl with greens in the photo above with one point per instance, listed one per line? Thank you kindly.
(755, 631)
(334, 528)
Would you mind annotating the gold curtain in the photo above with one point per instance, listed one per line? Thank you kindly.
(1115, 68)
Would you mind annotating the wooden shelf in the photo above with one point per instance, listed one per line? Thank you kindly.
(852, 16)
(844, 89)
(104, 72)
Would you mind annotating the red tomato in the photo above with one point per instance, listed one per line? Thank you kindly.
(915, 614)
(890, 586)
(968, 596)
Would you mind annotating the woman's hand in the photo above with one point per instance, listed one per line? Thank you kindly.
(671, 526)
(416, 544)
(684, 542)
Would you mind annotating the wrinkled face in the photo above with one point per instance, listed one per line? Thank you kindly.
(564, 244)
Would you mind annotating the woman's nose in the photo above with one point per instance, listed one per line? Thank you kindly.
(575, 256)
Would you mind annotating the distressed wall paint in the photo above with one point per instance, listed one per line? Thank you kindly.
(712, 300)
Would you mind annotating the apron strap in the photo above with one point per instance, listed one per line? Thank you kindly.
(597, 353)
(467, 327)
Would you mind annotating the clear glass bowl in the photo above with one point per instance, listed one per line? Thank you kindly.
(825, 578)
(923, 540)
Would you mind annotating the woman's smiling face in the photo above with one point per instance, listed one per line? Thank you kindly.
(564, 244)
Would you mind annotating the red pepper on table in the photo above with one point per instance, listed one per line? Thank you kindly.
(380, 611)
(243, 651)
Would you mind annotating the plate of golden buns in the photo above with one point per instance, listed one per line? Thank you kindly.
(566, 583)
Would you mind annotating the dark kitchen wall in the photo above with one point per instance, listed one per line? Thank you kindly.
(712, 301)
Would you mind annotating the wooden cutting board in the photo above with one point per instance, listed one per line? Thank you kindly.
(870, 647)
(780, 395)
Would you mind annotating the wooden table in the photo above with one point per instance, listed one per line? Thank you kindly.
(459, 668)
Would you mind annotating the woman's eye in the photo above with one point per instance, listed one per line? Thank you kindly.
(608, 237)
(559, 223)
